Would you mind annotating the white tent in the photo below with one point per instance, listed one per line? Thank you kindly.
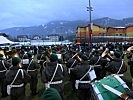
(4, 40)
(41, 42)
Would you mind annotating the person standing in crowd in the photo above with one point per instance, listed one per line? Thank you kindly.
(117, 65)
(32, 69)
(4, 66)
(100, 62)
(53, 74)
(17, 78)
(41, 59)
(71, 63)
(81, 78)
(130, 63)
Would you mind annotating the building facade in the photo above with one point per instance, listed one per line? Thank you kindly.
(103, 34)
(54, 37)
(22, 38)
(36, 37)
(129, 33)
(83, 33)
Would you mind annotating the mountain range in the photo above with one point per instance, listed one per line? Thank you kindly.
(65, 28)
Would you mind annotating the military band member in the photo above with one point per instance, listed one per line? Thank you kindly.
(67, 56)
(32, 69)
(130, 63)
(41, 59)
(91, 53)
(99, 62)
(117, 65)
(71, 63)
(17, 79)
(4, 66)
(53, 74)
(81, 78)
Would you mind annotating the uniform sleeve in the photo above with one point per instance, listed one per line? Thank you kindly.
(26, 77)
(110, 67)
(130, 63)
(93, 60)
(73, 73)
(124, 68)
(9, 77)
(36, 65)
(65, 73)
(43, 77)
(7, 64)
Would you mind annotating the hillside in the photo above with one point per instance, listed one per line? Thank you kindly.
(64, 28)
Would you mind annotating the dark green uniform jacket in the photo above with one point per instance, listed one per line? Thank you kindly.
(10, 75)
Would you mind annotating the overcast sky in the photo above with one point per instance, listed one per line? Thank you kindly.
(15, 13)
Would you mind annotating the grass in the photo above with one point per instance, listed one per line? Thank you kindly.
(68, 94)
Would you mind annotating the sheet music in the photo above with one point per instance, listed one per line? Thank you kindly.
(25, 61)
(92, 75)
(59, 56)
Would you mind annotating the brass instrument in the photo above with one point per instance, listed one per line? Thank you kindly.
(77, 57)
(129, 52)
(8, 54)
(16, 54)
(130, 49)
(107, 54)
(125, 52)
(2, 52)
(48, 52)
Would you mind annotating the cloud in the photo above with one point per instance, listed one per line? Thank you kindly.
(34, 12)
(117, 9)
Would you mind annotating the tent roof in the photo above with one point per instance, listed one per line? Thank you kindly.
(4, 40)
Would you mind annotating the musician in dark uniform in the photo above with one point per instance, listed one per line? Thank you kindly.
(80, 75)
(32, 69)
(130, 63)
(91, 53)
(4, 66)
(53, 74)
(117, 65)
(100, 63)
(71, 63)
(41, 59)
(17, 80)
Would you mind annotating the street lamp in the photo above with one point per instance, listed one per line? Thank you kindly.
(90, 10)
(80, 35)
(90, 28)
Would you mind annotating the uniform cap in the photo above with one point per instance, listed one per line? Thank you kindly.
(29, 54)
(1, 55)
(117, 54)
(53, 51)
(84, 57)
(53, 57)
(16, 60)
(51, 94)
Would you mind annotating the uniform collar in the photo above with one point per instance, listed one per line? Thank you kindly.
(15, 68)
